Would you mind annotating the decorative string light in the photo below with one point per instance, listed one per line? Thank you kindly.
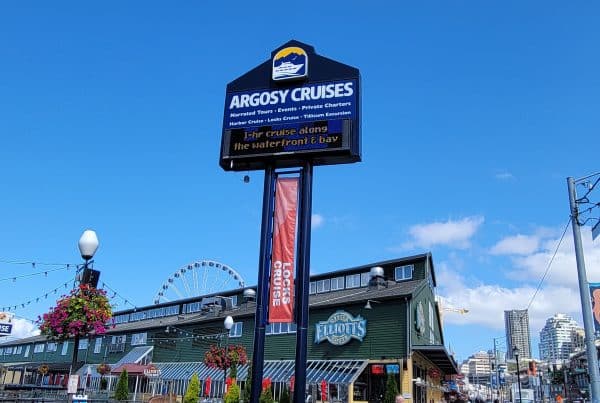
(45, 273)
(34, 299)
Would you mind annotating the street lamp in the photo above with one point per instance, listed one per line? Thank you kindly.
(228, 323)
(88, 245)
(516, 354)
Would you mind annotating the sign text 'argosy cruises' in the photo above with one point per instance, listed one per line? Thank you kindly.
(292, 117)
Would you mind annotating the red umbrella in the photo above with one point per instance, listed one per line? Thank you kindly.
(207, 386)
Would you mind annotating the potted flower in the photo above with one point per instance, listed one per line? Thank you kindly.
(103, 369)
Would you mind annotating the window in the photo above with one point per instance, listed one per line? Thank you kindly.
(193, 307)
(323, 285)
(98, 345)
(403, 272)
(121, 318)
(65, 348)
(38, 348)
(52, 347)
(353, 281)
(236, 330)
(313, 287)
(83, 344)
(27, 350)
(118, 339)
(337, 283)
(431, 317)
(139, 338)
(364, 279)
(280, 328)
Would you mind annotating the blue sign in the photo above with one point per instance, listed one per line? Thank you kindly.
(340, 328)
(323, 101)
(283, 114)
(5, 328)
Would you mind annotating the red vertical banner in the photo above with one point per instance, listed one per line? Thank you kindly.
(281, 287)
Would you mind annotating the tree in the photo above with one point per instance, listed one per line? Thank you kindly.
(248, 385)
(391, 389)
(266, 396)
(85, 310)
(193, 390)
(233, 394)
(122, 391)
(285, 396)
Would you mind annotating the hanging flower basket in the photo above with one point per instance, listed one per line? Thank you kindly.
(103, 369)
(85, 310)
(43, 369)
(217, 357)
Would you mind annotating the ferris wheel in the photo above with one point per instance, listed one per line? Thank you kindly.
(199, 278)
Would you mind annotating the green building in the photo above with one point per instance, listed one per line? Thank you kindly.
(366, 323)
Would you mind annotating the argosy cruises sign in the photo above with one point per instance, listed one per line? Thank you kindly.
(340, 328)
(281, 114)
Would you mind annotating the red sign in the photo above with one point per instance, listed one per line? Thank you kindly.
(292, 382)
(281, 289)
(323, 390)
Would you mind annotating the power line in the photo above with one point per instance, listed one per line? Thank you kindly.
(549, 263)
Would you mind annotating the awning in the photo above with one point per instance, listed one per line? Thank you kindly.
(439, 357)
(33, 366)
(134, 356)
(332, 371)
(132, 369)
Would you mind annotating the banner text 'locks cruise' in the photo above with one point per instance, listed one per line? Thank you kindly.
(281, 287)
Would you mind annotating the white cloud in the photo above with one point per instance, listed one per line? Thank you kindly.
(504, 176)
(317, 221)
(516, 245)
(451, 233)
(559, 291)
(21, 328)
(487, 302)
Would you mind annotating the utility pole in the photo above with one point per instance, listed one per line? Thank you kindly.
(584, 294)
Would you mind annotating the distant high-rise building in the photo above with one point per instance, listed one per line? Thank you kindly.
(578, 339)
(516, 324)
(558, 338)
(477, 367)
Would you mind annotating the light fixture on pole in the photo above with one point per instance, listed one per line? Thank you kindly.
(228, 323)
(368, 304)
(88, 245)
(516, 354)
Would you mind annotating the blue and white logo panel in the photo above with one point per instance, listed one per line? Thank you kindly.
(289, 64)
(340, 328)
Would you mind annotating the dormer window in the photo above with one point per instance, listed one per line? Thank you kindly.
(404, 272)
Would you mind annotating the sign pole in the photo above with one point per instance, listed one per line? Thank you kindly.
(586, 309)
(262, 299)
(303, 281)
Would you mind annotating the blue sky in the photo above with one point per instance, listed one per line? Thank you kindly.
(474, 113)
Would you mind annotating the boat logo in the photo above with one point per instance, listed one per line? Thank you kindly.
(289, 64)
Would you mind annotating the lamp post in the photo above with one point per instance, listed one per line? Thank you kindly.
(516, 354)
(228, 323)
(88, 245)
